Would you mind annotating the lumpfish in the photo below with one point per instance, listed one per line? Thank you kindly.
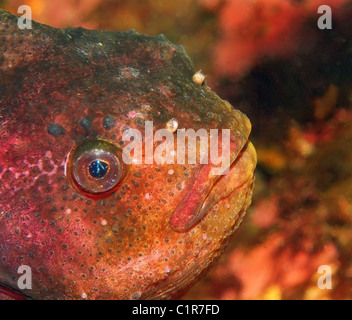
(86, 223)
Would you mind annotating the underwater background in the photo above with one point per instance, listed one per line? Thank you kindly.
(269, 59)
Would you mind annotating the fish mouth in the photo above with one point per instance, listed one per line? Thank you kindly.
(206, 192)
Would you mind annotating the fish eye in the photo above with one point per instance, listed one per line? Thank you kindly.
(95, 167)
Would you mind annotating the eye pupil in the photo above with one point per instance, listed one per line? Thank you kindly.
(98, 169)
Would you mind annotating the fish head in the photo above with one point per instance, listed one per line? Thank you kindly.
(94, 199)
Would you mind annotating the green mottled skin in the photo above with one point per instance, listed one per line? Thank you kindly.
(61, 86)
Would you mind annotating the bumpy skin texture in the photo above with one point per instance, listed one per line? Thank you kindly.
(59, 87)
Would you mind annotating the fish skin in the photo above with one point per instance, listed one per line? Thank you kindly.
(59, 87)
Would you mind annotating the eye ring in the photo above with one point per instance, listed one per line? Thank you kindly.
(94, 167)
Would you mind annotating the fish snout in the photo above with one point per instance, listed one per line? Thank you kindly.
(218, 181)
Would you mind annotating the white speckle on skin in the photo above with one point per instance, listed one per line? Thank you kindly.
(147, 196)
(204, 236)
(132, 114)
(103, 222)
(167, 269)
(84, 295)
(68, 211)
(134, 72)
(170, 172)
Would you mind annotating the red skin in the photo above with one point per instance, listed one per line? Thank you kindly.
(119, 245)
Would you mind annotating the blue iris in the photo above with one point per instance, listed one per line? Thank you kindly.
(98, 169)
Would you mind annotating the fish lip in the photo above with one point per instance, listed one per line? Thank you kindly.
(197, 203)
(245, 162)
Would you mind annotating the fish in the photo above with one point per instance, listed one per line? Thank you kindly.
(84, 222)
